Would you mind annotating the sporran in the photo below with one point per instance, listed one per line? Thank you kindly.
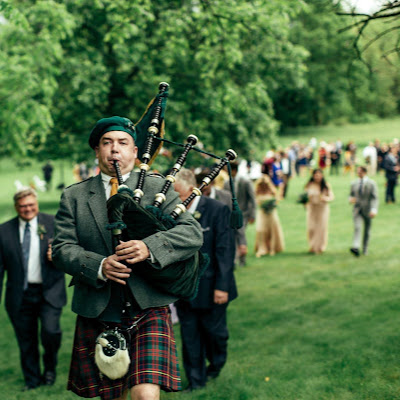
(111, 355)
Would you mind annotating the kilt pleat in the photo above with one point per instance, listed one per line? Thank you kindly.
(152, 350)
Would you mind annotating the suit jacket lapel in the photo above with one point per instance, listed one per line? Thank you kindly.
(16, 240)
(201, 208)
(131, 182)
(97, 205)
(43, 242)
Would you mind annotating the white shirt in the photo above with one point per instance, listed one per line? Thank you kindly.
(106, 182)
(213, 193)
(34, 267)
(370, 151)
(195, 203)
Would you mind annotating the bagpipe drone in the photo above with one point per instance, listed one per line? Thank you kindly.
(128, 220)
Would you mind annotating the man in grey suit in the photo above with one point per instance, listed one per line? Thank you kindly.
(364, 197)
(247, 202)
(83, 248)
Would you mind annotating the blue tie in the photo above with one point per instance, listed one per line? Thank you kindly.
(26, 244)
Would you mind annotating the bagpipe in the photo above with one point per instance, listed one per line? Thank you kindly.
(129, 220)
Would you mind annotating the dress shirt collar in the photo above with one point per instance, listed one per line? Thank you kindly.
(106, 178)
(213, 193)
(107, 185)
(194, 204)
(33, 223)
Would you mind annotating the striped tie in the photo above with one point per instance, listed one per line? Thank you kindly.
(26, 244)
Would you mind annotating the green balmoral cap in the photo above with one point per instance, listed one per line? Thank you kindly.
(111, 124)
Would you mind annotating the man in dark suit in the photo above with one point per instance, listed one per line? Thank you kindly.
(83, 248)
(364, 197)
(35, 289)
(391, 167)
(203, 320)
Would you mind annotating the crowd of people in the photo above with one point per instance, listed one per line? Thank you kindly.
(270, 184)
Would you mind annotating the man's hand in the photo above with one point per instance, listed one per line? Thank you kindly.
(352, 200)
(220, 297)
(114, 270)
(49, 253)
(132, 251)
(242, 250)
(372, 214)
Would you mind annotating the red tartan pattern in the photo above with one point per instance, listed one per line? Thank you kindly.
(152, 351)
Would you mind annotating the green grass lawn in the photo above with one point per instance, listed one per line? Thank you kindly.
(304, 327)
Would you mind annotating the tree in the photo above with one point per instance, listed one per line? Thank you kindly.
(389, 12)
(30, 58)
(338, 87)
(377, 47)
(223, 60)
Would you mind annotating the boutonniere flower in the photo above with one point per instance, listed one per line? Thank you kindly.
(41, 230)
(197, 215)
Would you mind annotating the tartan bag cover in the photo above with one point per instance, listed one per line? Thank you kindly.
(151, 347)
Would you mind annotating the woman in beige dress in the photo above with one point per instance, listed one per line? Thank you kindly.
(269, 235)
(319, 195)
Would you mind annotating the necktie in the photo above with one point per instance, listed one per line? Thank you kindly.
(26, 244)
(114, 186)
(360, 188)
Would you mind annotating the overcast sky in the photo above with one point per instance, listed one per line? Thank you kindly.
(366, 6)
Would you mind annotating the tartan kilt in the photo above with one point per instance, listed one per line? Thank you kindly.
(152, 351)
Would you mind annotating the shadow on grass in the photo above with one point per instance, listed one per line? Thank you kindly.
(288, 254)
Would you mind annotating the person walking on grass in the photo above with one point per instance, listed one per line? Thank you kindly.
(35, 289)
(109, 294)
(203, 320)
(319, 195)
(364, 197)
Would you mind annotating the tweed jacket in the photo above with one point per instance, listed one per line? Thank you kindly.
(368, 200)
(82, 241)
(224, 196)
(11, 260)
(245, 196)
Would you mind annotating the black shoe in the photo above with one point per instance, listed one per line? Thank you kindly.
(211, 377)
(48, 378)
(212, 374)
(191, 388)
(29, 387)
(355, 251)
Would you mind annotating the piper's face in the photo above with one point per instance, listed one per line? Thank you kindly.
(116, 145)
(27, 207)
